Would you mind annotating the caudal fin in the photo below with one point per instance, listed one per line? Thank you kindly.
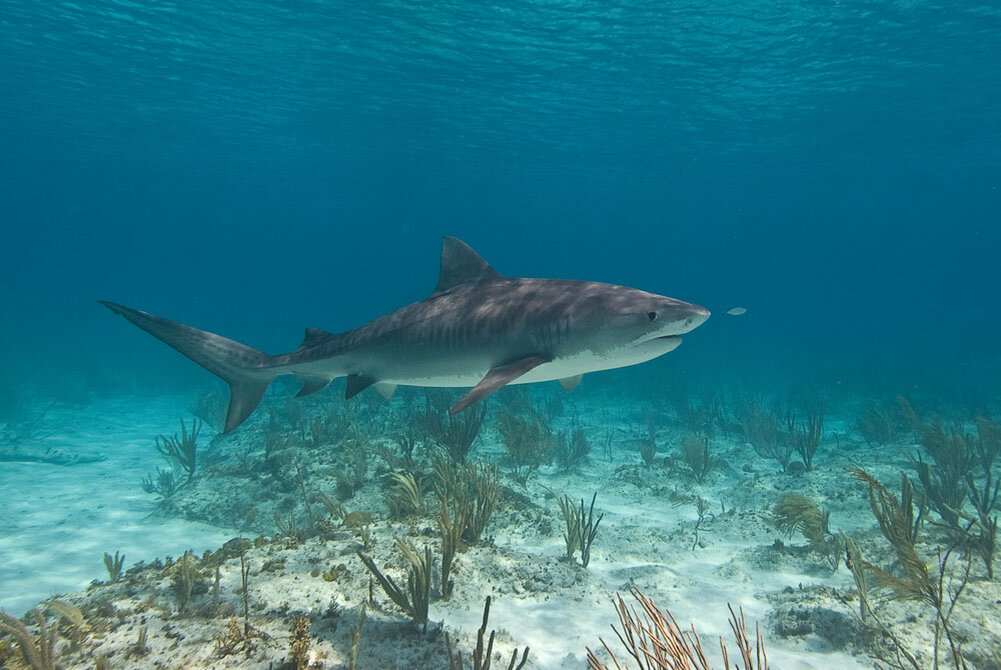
(240, 366)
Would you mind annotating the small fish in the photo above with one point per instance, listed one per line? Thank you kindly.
(736, 311)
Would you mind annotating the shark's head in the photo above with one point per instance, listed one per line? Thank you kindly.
(633, 322)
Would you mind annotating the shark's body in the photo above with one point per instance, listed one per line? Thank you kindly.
(477, 329)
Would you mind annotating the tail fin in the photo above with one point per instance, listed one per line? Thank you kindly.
(237, 364)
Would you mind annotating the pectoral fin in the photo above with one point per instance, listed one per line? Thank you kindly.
(570, 383)
(496, 378)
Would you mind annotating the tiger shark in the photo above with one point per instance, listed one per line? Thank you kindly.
(478, 329)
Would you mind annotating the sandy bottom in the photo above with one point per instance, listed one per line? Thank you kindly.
(57, 522)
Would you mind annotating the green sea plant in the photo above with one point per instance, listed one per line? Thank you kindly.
(22, 419)
(704, 415)
(856, 565)
(897, 523)
(450, 478)
(165, 485)
(415, 599)
(454, 433)
(984, 496)
(794, 513)
(306, 498)
(114, 565)
(581, 528)
(351, 476)
(356, 638)
(570, 449)
(245, 590)
(477, 486)
(404, 496)
(805, 438)
(878, 423)
(701, 510)
(235, 637)
(407, 443)
(655, 641)
(646, 445)
(984, 500)
(484, 484)
(68, 613)
(482, 654)
(183, 575)
(210, 408)
(572, 521)
(902, 658)
(988, 444)
(451, 523)
(695, 454)
(953, 457)
(647, 449)
(761, 429)
(141, 646)
(298, 652)
(528, 441)
(335, 508)
(951, 479)
(180, 451)
(37, 651)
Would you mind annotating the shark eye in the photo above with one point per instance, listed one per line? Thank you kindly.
(653, 316)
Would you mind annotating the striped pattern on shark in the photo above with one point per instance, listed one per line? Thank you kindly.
(477, 329)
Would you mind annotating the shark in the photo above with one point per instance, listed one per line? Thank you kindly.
(477, 329)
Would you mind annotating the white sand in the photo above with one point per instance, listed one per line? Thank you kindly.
(58, 521)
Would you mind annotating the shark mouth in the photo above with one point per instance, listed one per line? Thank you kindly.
(659, 338)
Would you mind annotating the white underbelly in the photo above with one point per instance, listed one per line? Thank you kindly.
(559, 368)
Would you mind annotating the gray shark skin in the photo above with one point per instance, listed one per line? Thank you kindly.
(477, 329)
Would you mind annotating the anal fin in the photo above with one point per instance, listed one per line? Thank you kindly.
(385, 389)
(356, 384)
(570, 383)
(311, 384)
(496, 378)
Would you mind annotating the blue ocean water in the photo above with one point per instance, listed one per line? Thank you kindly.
(253, 169)
(256, 168)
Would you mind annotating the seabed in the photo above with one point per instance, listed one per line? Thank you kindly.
(697, 512)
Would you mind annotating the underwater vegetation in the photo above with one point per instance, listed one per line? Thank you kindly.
(180, 451)
(528, 440)
(695, 454)
(483, 654)
(900, 524)
(36, 651)
(391, 512)
(961, 470)
(581, 528)
(655, 641)
(415, 599)
(571, 449)
(797, 514)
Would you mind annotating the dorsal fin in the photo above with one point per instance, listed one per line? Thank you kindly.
(460, 264)
(313, 337)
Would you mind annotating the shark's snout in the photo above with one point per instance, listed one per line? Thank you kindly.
(689, 317)
(698, 316)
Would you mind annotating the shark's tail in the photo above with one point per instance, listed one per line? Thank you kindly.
(240, 366)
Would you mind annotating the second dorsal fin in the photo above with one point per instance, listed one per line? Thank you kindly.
(313, 337)
(460, 264)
